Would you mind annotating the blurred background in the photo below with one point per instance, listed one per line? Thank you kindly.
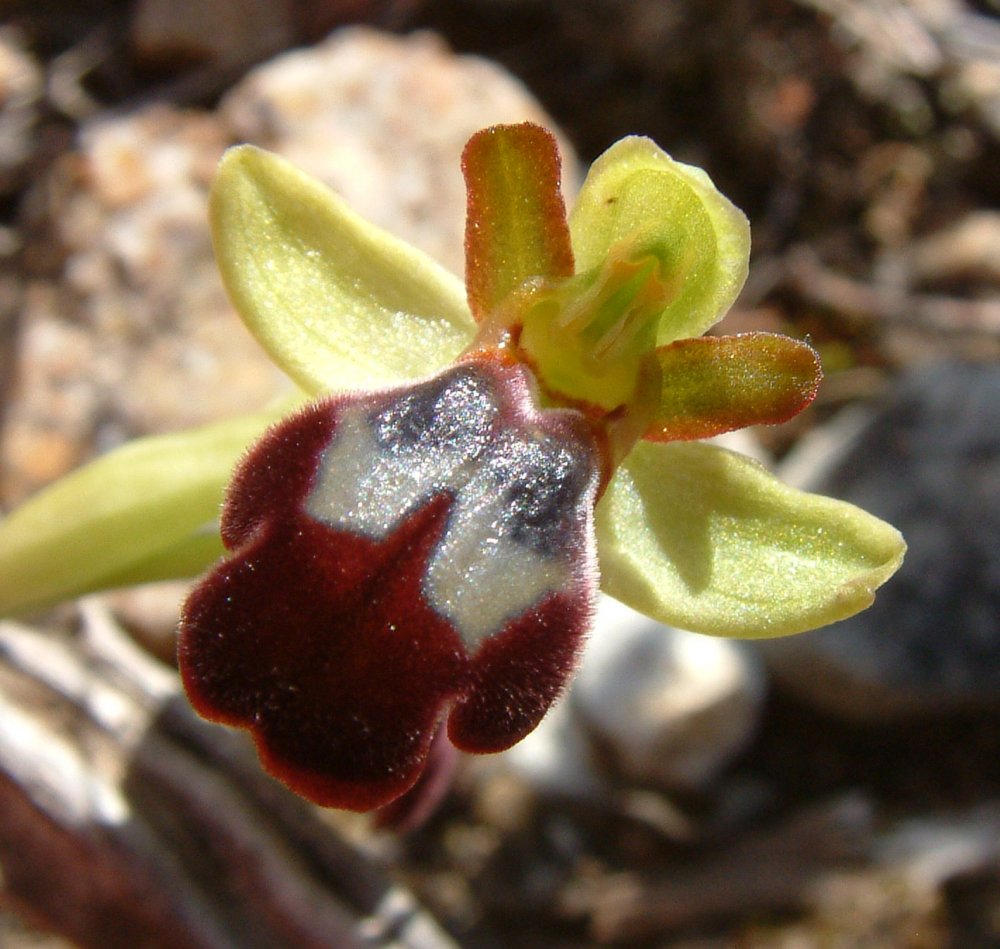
(838, 789)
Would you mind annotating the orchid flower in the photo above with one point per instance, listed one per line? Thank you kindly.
(420, 548)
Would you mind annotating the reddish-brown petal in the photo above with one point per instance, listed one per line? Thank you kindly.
(396, 552)
(715, 384)
(515, 225)
(275, 476)
(320, 642)
(519, 673)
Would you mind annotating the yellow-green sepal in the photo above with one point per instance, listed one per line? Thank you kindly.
(337, 302)
(708, 540)
(637, 200)
(143, 512)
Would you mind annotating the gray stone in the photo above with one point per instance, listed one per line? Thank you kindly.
(928, 461)
(931, 849)
(670, 707)
(558, 757)
(650, 706)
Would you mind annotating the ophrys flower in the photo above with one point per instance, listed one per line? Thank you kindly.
(420, 548)
(425, 546)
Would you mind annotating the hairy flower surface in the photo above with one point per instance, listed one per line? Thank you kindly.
(420, 548)
(428, 550)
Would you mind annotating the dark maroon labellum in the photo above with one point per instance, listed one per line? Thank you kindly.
(398, 557)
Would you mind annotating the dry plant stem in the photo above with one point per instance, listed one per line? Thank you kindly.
(802, 269)
(918, 38)
(127, 821)
(774, 869)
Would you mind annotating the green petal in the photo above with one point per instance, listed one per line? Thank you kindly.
(708, 540)
(637, 199)
(516, 224)
(715, 384)
(337, 302)
(137, 514)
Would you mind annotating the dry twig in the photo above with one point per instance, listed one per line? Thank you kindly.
(774, 869)
(128, 821)
(803, 270)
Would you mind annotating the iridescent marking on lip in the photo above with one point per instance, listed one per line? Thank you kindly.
(521, 492)
(393, 452)
(512, 533)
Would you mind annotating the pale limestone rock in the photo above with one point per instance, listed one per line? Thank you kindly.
(125, 276)
(650, 706)
(383, 121)
(671, 707)
(557, 757)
